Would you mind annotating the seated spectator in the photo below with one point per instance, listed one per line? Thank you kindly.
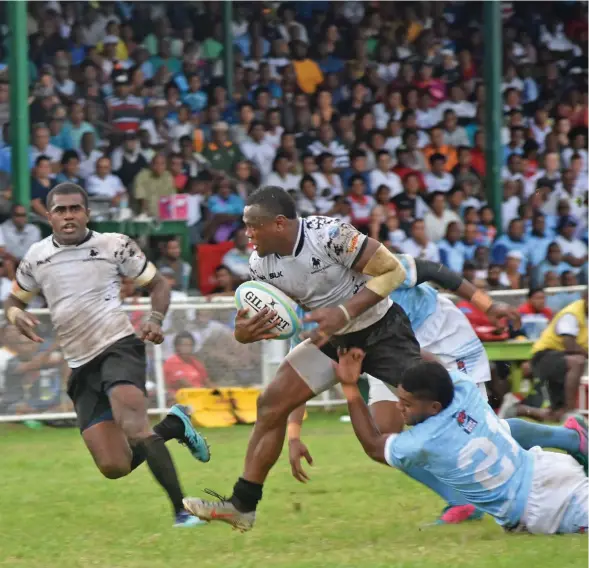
(105, 185)
(127, 159)
(382, 174)
(151, 184)
(552, 263)
(535, 306)
(18, 235)
(480, 261)
(418, 245)
(361, 203)
(438, 146)
(280, 175)
(70, 169)
(172, 259)
(414, 158)
(574, 251)
(486, 231)
(257, 150)
(381, 211)
(438, 217)
(538, 241)
(410, 199)
(512, 241)
(328, 182)
(42, 147)
(41, 185)
(513, 278)
(454, 135)
(158, 127)
(221, 153)
(403, 167)
(494, 278)
(308, 201)
(438, 179)
(237, 259)
(88, 155)
(225, 209)
(391, 234)
(357, 168)
(76, 126)
(225, 281)
(464, 172)
(451, 250)
(341, 210)
(469, 273)
(183, 370)
(308, 74)
(469, 241)
(175, 167)
(327, 143)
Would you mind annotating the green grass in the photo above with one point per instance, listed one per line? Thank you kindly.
(56, 511)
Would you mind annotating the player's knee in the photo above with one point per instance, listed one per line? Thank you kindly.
(114, 469)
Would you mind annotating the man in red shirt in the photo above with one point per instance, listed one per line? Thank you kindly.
(183, 369)
(536, 304)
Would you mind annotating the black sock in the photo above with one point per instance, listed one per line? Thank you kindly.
(246, 495)
(139, 456)
(161, 465)
(170, 428)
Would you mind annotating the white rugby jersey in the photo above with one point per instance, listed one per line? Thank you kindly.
(81, 284)
(318, 274)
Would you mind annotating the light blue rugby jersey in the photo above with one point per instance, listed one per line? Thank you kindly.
(418, 302)
(466, 447)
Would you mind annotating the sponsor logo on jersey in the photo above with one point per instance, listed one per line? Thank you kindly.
(353, 244)
(274, 275)
(466, 422)
(316, 265)
(461, 365)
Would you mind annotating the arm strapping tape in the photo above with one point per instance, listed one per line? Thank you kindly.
(428, 271)
(388, 273)
(147, 275)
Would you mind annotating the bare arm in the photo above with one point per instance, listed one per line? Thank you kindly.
(159, 292)
(14, 308)
(572, 347)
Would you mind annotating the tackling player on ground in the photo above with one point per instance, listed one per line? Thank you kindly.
(79, 272)
(459, 439)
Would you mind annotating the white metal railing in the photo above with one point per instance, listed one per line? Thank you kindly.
(271, 354)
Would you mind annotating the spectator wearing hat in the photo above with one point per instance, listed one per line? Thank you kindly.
(125, 110)
(153, 183)
(418, 245)
(258, 150)
(513, 277)
(513, 241)
(127, 159)
(574, 251)
(221, 153)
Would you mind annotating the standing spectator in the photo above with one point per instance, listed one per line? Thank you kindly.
(151, 184)
(237, 259)
(418, 245)
(18, 234)
(172, 260)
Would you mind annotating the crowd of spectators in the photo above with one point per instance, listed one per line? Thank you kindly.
(372, 112)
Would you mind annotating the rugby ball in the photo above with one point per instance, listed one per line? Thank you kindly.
(257, 295)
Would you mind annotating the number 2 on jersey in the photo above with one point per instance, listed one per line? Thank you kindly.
(483, 473)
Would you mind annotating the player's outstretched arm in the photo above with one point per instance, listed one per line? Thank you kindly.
(441, 275)
(296, 449)
(348, 372)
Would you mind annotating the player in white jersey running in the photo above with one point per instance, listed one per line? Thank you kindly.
(79, 273)
(459, 439)
(344, 279)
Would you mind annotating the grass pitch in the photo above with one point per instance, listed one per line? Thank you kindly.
(56, 511)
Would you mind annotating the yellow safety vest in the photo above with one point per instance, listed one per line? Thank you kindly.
(551, 340)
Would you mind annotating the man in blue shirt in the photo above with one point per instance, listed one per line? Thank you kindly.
(457, 438)
(513, 241)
